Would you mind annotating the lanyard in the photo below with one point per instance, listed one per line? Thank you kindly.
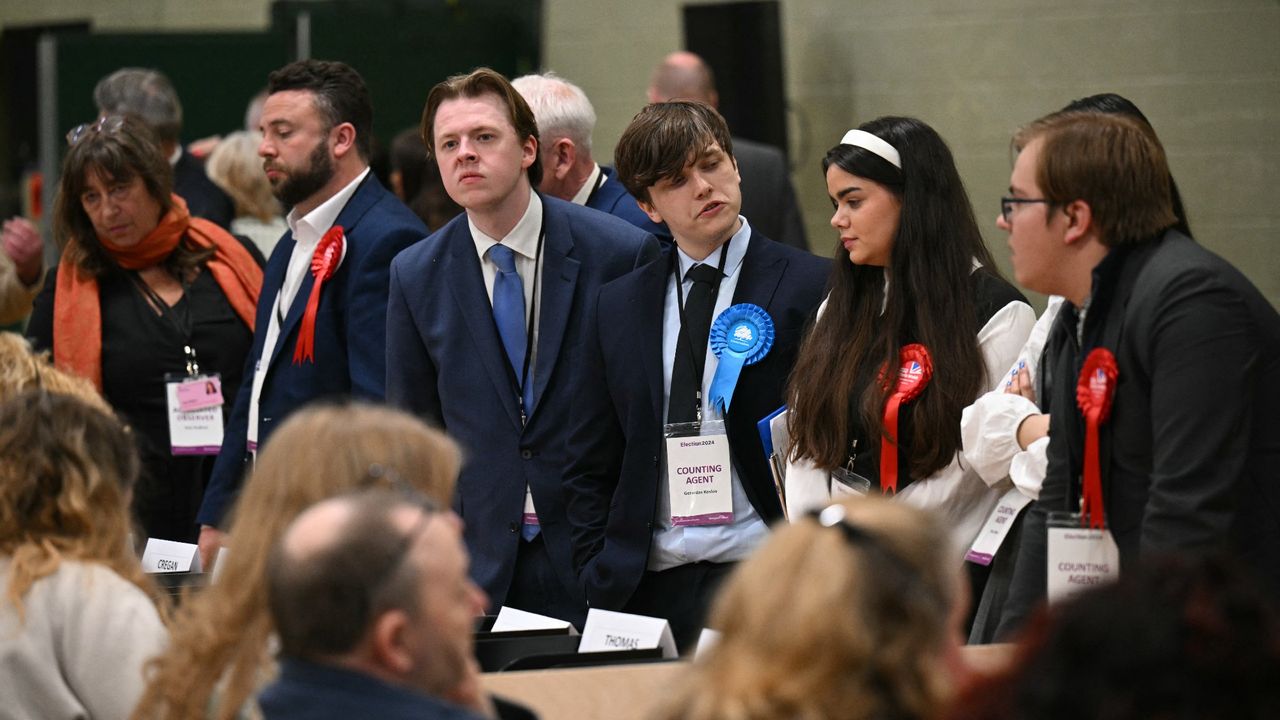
(180, 321)
(698, 360)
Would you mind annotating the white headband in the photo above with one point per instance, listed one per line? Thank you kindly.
(869, 142)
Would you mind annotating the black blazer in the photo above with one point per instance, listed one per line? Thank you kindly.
(1191, 453)
(611, 485)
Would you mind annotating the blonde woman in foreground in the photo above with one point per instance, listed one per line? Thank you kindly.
(78, 619)
(848, 614)
(221, 653)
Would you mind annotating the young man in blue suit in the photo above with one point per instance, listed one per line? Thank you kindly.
(645, 540)
(317, 125)
(565, 123)
(483, 325)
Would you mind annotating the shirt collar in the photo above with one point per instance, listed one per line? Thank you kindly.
(737, 251)
(311, 226)
(584, 192)
(522, 239)
(176, 156)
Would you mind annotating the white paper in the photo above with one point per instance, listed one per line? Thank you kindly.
(1079, 559)
(510, 619)
(167, 556)
(993, 533)
(607, 630)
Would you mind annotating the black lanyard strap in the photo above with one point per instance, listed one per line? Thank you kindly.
(181, 321)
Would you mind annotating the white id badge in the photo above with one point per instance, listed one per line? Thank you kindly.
(698, 478)
(1079, 557)
(996, 529)
(530, 514)
(194, 432)
(252, 431)
(846, 483)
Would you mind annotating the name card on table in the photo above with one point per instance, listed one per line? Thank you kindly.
(607, 630)
(510, 619)
(167, 556)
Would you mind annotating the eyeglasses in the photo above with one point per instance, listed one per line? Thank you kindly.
(1007, 203)
(386, 477)
(105, 125)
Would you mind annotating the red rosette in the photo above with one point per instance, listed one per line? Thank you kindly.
(324, 262)
(915, 369)
(1094, 392)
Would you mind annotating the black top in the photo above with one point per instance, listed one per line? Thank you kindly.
(138, 348)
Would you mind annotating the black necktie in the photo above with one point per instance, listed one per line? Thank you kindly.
(691, 345)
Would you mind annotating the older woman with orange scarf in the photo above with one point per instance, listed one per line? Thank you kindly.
(151, 305)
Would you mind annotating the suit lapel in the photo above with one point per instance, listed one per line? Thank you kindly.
(558, 282)
(366, 194)
(466, 282)
(761, 272)
(651, 295)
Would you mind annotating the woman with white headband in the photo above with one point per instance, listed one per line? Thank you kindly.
(918, 324)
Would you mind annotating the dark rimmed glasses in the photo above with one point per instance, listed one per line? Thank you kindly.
(105, 125)
(1007, 203)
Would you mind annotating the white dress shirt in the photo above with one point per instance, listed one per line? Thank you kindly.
(307, 231)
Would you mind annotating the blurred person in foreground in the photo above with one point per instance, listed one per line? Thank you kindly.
(375, 613)
(847, 613)
(1179, 638)
(78, 618)
(221, 651)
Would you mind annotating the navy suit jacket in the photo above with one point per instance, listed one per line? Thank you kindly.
(445, 362)
(611, 488)
(611, 197)
(350, 344)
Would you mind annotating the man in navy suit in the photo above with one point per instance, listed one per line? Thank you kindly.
(317, 126)
(647, 372)
(565, 123)
(483, 324)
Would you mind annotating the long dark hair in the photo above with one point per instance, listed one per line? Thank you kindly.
(834, 388)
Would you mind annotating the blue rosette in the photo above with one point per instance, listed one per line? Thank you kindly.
(742, 335)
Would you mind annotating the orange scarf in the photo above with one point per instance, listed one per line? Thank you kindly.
(77, 313)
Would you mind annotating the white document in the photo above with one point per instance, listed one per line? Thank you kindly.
(510, 619)
(1080, 558)
(167, 556)
(607, 630)
(993, 533)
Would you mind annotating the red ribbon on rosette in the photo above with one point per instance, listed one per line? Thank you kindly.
(1094, 392)
(324, 262)
(915, 368)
